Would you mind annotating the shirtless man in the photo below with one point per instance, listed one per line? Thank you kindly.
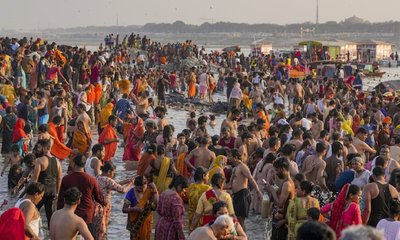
(162, 121)
(203, 157)
(241, 196)
(142, 103)
(65, 224)
(244, 148)
(290, 95)
(360, 144)
(314, 166)
(297, 138)
(317, 126)
(220, 229)
(298, 95)
(231, 122)
(281, 198)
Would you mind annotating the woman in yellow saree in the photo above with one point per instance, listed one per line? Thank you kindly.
(196, 189)
(217, 166)
(82, 139)
(139, 203)
(298, 206)
(163, 170)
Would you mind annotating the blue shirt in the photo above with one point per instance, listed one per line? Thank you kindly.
(122, 106)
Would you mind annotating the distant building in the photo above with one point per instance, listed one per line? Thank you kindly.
(373, 51)
(332, 49)
(260, 47)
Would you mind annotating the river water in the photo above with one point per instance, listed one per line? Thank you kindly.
(256, 226)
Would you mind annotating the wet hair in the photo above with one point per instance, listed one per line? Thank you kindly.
(378, 171)
(29, 159)
(235, 153)
(215, 139)
(57, 120)
(43, 128)
(394, 206)
(217, 206)
(380, 161)
(320, 147)
(199, 174)
(97, 147)
(288, 149)
(179, 181)
(191, 145)
(201, 120)
(203, 140)
(34, 188)
(193, 114)
(353, 189)
(44, 143)
(112, 118)
(151, 148)
(79, 160)
(282, 162)
(242, 127)
(300, 177)
(180, 135)
(268, 159)
(362, 131)
(72, 196)
(316, 231)
(139, 181)
(313, 213)
(273, 141)
(336, 147)
(273, 130)
(307, 187)
(246, 135)
(216, 178)
(108, 166)
(323, 133)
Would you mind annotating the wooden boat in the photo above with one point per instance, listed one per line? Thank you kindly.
(374, 74)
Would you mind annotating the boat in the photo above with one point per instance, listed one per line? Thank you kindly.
(371, 70)
(374, 74)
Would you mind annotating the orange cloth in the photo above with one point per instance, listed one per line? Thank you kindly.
(181, 166)
(144, 162)
(144, 232)
(126, 128)
(60, 133)
(82, 140)
(192, 89)
(91, 96)
(124, 86)
(59, 150)
(264, 116)
(108, 133)
(98, 93)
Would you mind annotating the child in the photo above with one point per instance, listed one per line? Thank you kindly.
(13, 159)
(313, 214)
(181, 152)
(213, 121)
(14, 176)
(192, 116)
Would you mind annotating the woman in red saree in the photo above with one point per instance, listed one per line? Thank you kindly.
(345, 210)
(19, 135)
(132, 148)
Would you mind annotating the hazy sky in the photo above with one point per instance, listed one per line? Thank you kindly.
(30, 14)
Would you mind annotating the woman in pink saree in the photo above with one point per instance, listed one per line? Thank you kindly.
(132, 148)
(345, 210)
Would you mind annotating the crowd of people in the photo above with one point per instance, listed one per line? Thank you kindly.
(319, 157)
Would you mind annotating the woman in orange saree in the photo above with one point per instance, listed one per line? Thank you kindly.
(139, 203)
(82, 139)
(132, 148)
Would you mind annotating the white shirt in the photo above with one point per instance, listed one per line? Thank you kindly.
(391, 230)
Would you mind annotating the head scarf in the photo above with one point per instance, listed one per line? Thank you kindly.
(19, 130)
(337, 210)
(105, 114)
(217, 165)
